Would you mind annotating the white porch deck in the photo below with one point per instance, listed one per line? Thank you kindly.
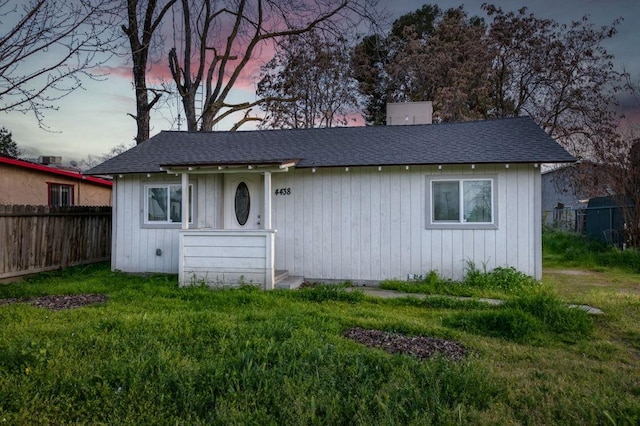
(243, 252)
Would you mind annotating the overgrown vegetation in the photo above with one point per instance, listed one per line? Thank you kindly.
(155, 353)
(499, 282)
(531, 314)
(563, 248)
(536, 319)
(323, 293)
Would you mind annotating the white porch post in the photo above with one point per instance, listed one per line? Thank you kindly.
(267, 200)
(270, 240)
(185, 200)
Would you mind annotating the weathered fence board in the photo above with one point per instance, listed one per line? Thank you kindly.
(40, 238)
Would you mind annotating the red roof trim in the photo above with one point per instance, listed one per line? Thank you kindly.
(52, 170)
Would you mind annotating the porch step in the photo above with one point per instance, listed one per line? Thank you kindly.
(280, 275)
(283, 280)
(290, 282)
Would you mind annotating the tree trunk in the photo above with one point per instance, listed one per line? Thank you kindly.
(143, 119)
(139, 57)
(189, 105)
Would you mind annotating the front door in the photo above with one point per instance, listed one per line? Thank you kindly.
(243, 195)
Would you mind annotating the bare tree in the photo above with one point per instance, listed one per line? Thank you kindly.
(308, 83)
(220, 38)
(619, 166)
(627, 185)
(93, 160)
(560, 75)
(67, 39)
(144, 18)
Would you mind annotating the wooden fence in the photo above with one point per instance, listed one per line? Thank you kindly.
(40, 238)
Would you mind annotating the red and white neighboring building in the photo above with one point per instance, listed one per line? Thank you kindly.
(27, 183)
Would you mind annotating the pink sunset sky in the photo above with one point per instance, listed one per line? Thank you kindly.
(93, 120)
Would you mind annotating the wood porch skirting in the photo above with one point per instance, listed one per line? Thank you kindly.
(227, 258)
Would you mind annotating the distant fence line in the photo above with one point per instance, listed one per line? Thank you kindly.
(572, 220)
(40, 238)
(604, 223)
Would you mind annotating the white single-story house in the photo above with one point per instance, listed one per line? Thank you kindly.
(355, 203)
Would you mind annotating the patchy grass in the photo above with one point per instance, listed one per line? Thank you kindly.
(155, 353)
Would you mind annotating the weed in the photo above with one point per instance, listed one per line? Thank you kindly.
(530, 318)
(328, 292)
(508, 280)
(507, 323)
(566, 322)
(500, 282)
(577, 250)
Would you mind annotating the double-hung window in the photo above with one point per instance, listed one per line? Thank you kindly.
(463, 203)
(163, 204)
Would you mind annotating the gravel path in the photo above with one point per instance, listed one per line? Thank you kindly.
(420, 346)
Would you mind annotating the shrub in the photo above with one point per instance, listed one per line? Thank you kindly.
(505, 279)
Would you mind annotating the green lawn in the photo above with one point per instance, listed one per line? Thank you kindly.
(157, 354)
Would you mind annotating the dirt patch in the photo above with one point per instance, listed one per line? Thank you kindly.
(60, 302)
(420, 346)
(571, 272)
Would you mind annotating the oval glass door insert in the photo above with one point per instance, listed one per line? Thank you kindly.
(242, 203)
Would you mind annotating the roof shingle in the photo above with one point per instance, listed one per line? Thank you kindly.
(510, 140)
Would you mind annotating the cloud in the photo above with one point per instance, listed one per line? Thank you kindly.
(355, 120)
(631, 117)
(116, 71)
(160, 74)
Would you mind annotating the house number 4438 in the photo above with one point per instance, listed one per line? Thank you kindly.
(283, 191)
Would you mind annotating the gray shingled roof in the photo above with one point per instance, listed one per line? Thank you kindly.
(510, 140)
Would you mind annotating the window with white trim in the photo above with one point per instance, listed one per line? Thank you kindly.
(461, 202)
(163, 204)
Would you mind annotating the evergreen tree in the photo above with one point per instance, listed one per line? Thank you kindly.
(8, 146)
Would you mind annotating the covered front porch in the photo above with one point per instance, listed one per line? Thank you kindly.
(243, 250)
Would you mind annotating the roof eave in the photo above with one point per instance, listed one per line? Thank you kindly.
(259, 166)
(244, 167)
(54, 171)
(435, 163)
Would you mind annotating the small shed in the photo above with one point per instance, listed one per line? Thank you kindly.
(605, 220)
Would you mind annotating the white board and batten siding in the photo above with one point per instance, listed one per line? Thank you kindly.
(134, 245)
(367, 224)
(363, 224)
